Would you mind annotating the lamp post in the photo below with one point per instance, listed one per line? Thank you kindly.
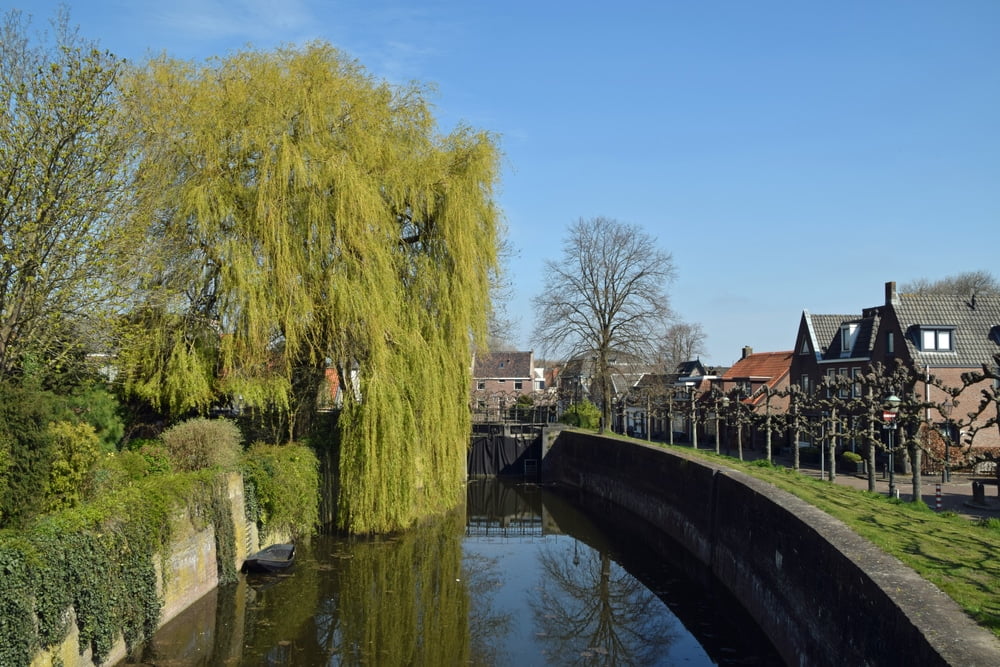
(725, 408)
(891, 406)
(946, 409)
(716, 416)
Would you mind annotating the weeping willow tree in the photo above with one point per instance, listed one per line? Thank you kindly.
(303, 215)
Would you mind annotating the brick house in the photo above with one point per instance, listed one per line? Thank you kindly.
(498, 379)
(757, 380)
(932, 335)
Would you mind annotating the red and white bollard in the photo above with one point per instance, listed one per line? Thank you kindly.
(938, 495)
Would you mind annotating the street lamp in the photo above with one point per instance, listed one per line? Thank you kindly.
(891, 405)
(946, 409)
(725, 408)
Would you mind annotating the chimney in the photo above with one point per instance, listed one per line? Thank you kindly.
(890, 294)
(747, 351)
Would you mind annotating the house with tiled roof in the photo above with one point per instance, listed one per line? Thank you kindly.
(828, 345)
(499, 378)
(755, 375)
(758, 380)
(661, 404)
(938, 336)
(944, 336)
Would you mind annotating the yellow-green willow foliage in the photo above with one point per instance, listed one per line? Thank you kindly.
(314, 215)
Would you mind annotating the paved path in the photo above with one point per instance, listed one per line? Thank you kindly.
(956, 494)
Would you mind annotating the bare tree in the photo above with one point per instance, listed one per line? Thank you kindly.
(606, 295)
(963, 284)
(683, 342)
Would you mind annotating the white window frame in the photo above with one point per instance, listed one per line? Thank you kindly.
(937, 339)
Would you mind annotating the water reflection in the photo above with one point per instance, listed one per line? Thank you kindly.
(519, 576)
(590, 611)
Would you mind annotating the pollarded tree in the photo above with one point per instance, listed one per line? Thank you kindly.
(606, 295)
(311, 216)
(64, 157)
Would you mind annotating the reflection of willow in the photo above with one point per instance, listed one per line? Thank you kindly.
(590, 611)
(401, 600)
(488, 629)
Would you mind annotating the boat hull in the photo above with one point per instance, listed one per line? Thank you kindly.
(275, 558)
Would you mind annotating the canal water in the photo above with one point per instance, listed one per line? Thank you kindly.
(521, 576)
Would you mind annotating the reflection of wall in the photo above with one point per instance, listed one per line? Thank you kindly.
(499, 509)
(822, 594)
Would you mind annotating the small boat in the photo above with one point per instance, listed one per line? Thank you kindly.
(275, 558)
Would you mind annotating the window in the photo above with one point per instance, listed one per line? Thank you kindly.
(804, 384)
(845, 390)
(517, 384)
(889, 341)
(856, 382)
(936, 339)
(481, 385)
(848, 332)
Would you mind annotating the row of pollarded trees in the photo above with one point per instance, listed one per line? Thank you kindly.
(226, 232)
(930, 420)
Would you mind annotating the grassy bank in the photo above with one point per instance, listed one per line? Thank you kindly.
(958, 555)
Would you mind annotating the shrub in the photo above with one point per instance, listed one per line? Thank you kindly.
(125, 468)
(851, 457)
(96, 406)
(584, 414)
(71, 474)
(282, 487)
(25, 415)
(203, 443)
(157, 457)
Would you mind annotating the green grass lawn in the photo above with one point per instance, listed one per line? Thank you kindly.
(960, 556)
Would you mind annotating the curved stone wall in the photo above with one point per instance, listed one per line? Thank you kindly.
(824, 595)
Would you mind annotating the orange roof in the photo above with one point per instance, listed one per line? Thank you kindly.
(760, 365)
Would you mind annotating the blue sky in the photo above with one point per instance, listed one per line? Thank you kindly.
(790, 155)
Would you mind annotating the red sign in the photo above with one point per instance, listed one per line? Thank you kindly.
(888, 416)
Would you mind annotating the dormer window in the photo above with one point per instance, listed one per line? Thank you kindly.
(848, 333)
(937, 339)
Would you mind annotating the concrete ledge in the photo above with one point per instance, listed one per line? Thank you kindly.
(823, 594)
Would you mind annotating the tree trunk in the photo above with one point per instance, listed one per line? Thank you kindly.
(795, 447)
(767, 426)
(831, 446)
(872, 449)
(915, 461)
